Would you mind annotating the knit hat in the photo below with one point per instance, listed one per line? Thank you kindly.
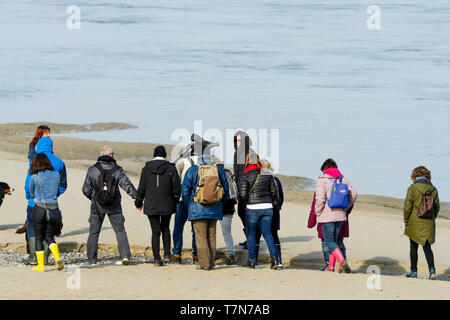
(160, 151)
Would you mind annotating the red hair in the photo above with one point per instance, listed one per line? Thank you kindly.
(40, 131)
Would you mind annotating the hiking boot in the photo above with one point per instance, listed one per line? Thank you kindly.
(251, 264)
(412, 274)
(432, 274)
(201, 268)
(194, 259)
(125, 261)
(347, 268)
(177, 259)
(167, 258)
(273, 263)
(230, 260)
(158, 263)
(243, 244)
(324, 268)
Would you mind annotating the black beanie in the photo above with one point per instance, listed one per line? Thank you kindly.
(160, 151)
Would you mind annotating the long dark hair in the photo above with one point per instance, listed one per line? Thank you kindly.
(40, 163)
(329, 163)
(40, 131)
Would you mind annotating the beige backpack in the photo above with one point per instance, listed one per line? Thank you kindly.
(209, 189)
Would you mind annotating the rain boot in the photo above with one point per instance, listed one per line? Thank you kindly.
(46, 252)
(32, 260)
(331, 262)
(279, 261)
(40, 259)
(55, 251)
(341, 260)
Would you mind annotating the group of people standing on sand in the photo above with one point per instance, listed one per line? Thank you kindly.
(197, 188)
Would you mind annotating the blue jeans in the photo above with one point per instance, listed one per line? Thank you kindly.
(330, 232)
(181, 217)
(30, 229)
(327, 252)
(263, 217)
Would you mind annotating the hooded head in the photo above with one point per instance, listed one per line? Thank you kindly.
(44, 144)
(245, 140)
(160, 151)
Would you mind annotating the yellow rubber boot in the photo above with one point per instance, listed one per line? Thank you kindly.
(55, 251)
(40, 259)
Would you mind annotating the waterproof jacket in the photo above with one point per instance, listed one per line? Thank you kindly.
(241, 153)
(255, 190)
(159, 188)
(323, 192)
(91, 185)
(196, 210)
(419, 229)
(45, 146)
(312, 221)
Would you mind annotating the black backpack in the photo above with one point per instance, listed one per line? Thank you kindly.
(106, 188)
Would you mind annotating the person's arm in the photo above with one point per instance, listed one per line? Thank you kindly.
(321, 197)
(437, 205)
(353, 193)
(126, 184)
(180, 167)
(176, 185)
(312, 220)
(243, 190)
(27, 186)
(187, 185)
(140, 193)
(88, 189)
(62, 181)
(280, 192)
(408, 205)
(32, 188)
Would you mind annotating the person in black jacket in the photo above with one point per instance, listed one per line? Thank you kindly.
(258, 192)
(242, 143)
(265, 165)
(107, 166)
(159, 190)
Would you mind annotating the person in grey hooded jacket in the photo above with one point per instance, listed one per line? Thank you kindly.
(114, 211)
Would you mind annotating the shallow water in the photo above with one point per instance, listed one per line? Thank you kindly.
(378, 101)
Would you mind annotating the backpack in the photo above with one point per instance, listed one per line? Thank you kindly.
(426, 209)
(234, 193)
(209, 189)
(106, 188)
(339, 197)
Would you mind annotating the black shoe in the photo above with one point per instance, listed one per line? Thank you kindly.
(158, 263)
(251, 264)
(230, 260)
(273, 263)
(194, 259)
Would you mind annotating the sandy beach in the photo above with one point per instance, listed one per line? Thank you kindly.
(376, 238)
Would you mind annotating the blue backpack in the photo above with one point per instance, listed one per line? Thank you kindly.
(339, 197)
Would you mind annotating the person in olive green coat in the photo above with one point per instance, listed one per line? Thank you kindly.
(418, 229)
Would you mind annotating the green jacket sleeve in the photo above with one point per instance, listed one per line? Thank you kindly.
(409, 204)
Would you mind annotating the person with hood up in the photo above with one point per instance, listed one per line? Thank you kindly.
(420, 228)
(159, 190)
(332, 219)
(105, 177)
(242, 143)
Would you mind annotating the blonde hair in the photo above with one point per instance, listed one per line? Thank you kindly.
(265, 164)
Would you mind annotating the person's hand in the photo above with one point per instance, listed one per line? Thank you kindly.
(139, 209)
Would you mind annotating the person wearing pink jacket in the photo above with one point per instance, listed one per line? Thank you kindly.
(332, 219)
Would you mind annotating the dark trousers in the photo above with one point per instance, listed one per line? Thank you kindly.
(242, 211)
(43, 229)
(181, 217)
(413, 254)
(118, 224)
(160, 225)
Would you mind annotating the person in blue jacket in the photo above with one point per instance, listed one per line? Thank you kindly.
(204, 217)
(45, 146)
